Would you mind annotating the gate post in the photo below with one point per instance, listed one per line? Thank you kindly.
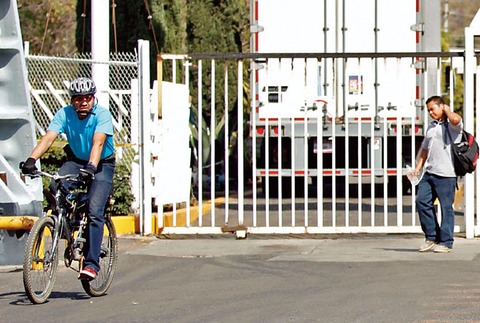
(145, 126)
(241, 231)
(101, 50)
(468, 113)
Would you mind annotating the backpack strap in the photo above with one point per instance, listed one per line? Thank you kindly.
(447, 130)
(451, 149)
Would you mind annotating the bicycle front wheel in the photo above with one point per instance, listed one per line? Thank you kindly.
(108, 262)
(40, 262)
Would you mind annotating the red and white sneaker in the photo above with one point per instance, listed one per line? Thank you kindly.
(87, 273)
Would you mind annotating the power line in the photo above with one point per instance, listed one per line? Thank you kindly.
(84, 17)
(114, 23)
(150, 25)
(46, 27)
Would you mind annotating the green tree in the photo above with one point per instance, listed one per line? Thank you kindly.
(457, 79)
(217, 26)
(47, 25)
(170, 17)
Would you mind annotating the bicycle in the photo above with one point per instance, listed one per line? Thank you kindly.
(67, 220)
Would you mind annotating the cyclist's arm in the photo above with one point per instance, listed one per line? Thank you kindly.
(44, 144)
(96, 152)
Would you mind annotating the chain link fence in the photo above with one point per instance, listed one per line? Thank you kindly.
(49, 78)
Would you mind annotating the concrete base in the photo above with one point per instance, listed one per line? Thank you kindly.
(12, 246)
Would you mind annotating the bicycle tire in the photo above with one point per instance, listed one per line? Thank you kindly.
(40, 262)
(108, 262)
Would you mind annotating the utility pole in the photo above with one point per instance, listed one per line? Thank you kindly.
(445, 16)
(101, 49)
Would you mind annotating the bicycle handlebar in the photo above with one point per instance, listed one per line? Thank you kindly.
(55, 177)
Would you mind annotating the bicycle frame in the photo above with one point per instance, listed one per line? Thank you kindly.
(63, 229)
(68, 221)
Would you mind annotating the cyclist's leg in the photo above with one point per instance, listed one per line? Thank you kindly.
(69, 167)
(98, 193)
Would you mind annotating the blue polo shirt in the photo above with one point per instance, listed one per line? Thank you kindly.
(80, 132)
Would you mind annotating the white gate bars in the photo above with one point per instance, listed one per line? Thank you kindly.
(284, 161)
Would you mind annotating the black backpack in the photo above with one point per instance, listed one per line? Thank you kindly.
(464, 153)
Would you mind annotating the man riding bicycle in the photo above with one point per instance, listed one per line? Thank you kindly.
(89, 131)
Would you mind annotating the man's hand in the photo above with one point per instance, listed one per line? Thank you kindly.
(29, 167)
(87, 174)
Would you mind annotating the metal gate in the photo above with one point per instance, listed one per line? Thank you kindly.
(350, 175)
(323, 172)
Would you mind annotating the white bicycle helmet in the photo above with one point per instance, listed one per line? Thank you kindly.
(82, 86)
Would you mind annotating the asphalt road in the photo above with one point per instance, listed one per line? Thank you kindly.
(358, 278)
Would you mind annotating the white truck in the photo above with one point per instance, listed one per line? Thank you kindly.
(345, 71)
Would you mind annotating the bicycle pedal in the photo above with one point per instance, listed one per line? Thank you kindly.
(103, 252)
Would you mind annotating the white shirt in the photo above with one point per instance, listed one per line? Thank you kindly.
(437, 142)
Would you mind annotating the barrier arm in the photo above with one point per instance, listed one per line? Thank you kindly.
(17, 222)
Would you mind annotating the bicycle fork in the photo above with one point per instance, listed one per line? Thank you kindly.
(57, 234)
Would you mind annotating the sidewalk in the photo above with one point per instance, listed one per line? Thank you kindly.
(351, 248)
(337, 248)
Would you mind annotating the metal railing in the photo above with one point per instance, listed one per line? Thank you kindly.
(352, 188)
(233, 172)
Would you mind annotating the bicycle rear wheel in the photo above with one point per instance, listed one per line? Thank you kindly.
(108, 262)
(40, 262)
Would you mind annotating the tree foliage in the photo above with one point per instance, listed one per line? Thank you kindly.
(217, 26)
(460, 15)
(48, 25)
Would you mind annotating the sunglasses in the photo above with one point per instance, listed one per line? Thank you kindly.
(82, 98)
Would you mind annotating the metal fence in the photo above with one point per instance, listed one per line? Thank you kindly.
(349, 186)
(49, 78)
(253, 174)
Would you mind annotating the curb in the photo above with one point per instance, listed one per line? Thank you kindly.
(130, 224)
(124, 224)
